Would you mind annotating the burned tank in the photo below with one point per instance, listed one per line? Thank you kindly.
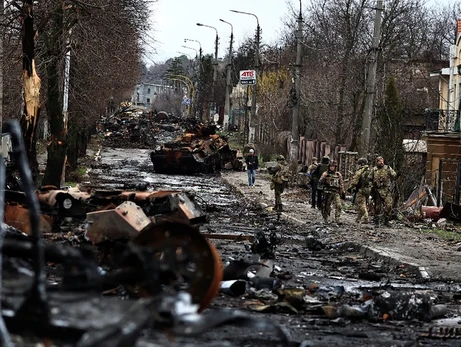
(200, 150)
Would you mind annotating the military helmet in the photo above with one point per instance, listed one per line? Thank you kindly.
(363, 161)
(334, 163)
(325, 159)
(314, 158)
(280, 157)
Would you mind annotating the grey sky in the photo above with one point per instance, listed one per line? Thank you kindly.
(175, 20)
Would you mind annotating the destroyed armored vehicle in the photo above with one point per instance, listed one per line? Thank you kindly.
(199, 151)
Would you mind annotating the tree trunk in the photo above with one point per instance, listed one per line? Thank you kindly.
(31, 88)
(58, 142)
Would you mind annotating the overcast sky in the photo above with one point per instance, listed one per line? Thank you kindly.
(175, 20)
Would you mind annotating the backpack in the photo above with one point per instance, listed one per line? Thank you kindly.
(365, 180)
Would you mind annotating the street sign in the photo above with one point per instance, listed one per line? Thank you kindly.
(247, 77)
(186, 100)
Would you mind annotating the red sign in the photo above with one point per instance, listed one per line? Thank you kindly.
(247, 77)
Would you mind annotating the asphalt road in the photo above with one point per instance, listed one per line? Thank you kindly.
(344, 252)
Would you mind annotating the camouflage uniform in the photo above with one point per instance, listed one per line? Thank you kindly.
(361, 182)
(313, 181)
(382, 197)
(333, 186)
(315, 176)
(280, 177)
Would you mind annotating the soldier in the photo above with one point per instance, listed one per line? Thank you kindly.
(280, 176)
(333, 187)
(318, 172)
(361, 185)
(381, 177)
(313, 182)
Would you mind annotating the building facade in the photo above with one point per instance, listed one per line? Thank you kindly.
(145, 94)
(444, 144)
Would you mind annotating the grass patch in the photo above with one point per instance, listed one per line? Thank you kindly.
(76, 176)
(80, 171)
(443, 234)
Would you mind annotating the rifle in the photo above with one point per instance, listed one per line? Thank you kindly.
(354, 196)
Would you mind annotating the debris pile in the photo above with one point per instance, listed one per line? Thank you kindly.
(199, 150)
(48, 288)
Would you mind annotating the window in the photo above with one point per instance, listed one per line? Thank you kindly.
(148, 100)
(148, 90)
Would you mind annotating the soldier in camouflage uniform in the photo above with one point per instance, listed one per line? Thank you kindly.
(381, 177)
(313, 181)
(333, 184)
(361, 185)
(315, 176)
(280, 176)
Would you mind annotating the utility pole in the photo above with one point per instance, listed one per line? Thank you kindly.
(252, 118)
(2, 31)
(200, 74)
(297, 97)
(228, 79)
(371, 83)
(215, 69)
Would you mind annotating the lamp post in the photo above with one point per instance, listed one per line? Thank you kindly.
(191, 65)
(251, 133)
(371, 83)
(294, 145)
(190, 89)
(228, 78)
(192, 48)
(197, 83)
(200, 50)
(215, 65)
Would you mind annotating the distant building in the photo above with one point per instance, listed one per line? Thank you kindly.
(443, 166)
(145, 94)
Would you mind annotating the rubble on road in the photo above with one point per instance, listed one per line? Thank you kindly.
(164, 258)
(297, 284)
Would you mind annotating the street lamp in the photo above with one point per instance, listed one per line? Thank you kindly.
(192, 48)
(200, 45)
(197, 88)
(251, 133)
(294, 145)
(215, 65)
(228, 78)
(191, 68)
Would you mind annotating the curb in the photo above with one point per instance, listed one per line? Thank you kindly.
(389, 258)
(262, 204)
(386, 256)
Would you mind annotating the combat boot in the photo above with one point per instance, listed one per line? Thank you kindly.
(386, 222)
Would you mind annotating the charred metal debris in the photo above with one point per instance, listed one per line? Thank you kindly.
(182, 146)
(146, 247)
(165, 266)
(199, 150)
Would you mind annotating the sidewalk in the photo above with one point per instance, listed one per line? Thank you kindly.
(426, 252)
